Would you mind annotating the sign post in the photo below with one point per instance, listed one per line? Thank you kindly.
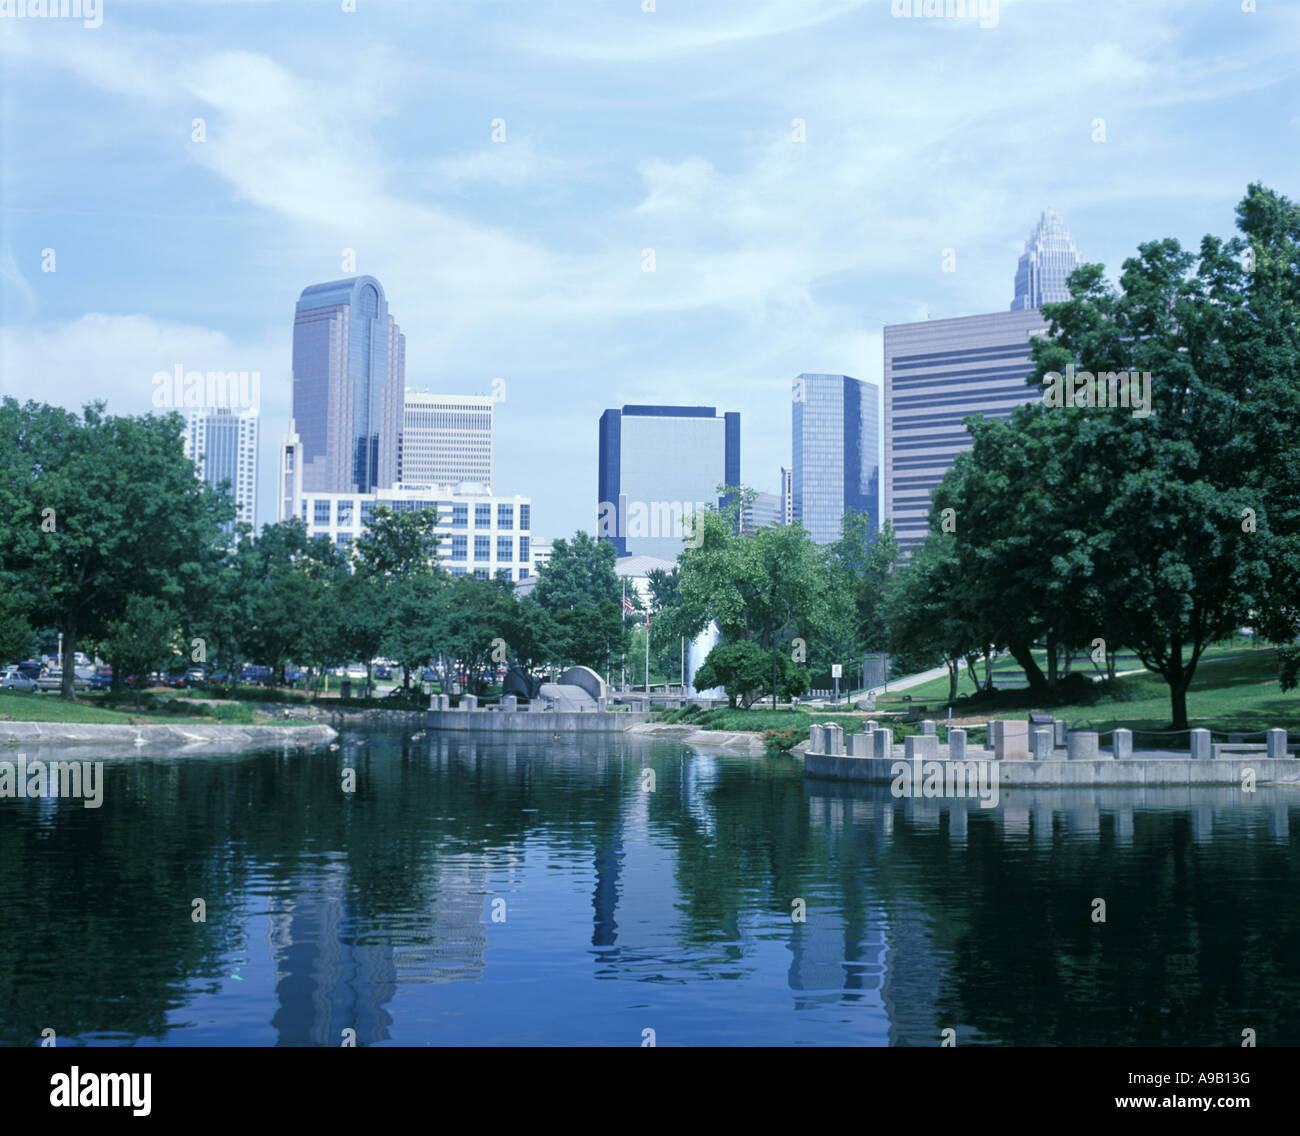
(836, 671)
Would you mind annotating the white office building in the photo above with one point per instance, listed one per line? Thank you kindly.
(445, 439)
(478, 533)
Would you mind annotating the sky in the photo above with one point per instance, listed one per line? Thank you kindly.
(803, 171)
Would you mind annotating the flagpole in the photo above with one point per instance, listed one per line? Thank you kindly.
(647, 651)
(623, 613)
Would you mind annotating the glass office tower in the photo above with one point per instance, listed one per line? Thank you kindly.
(349, 379)
(659, 464)
(936, 373)
(446, 439)
(222, 444)
(1046, 263)
(836, 449)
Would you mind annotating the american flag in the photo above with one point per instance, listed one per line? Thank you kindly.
(628, 607)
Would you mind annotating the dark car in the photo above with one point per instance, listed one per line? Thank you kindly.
(31, 668)
(102, 679)
(381, 670)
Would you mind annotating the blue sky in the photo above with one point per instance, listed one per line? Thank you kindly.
(625, 130)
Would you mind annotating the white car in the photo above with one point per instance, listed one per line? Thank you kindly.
(14, 679)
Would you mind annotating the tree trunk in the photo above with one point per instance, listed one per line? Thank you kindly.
(952, 680)
(1178, 704)
(67, 688)
(1033, 672)
(1052, 674)
(988, 670)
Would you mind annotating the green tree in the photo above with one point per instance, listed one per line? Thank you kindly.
(96, 508)
(142, 640)
(744, 670)
(583, 595)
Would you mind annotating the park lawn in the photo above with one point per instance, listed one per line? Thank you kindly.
(16, 707)
(935, 692)
(1233, 689)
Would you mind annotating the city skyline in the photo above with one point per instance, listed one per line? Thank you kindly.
(524, 259)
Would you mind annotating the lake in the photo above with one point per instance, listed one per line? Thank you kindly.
(614, 892)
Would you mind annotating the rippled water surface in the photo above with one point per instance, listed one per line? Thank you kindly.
(582, 893)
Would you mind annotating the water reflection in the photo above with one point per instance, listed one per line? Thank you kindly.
(481, 892)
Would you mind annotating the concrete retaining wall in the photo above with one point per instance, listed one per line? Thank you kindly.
(16, 734)
(1153, 771)
(536, 722)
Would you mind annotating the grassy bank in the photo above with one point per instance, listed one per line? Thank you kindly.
(100, 708)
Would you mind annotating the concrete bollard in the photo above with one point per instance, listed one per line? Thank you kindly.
(469, 701)
(1010, 739)
(924, 746)
(929, 729)
(1122, 745)
(1042, 742)
(957, 744)
(1200, 745)
(882, 743)
(815, 743)
(988, 735)
(835, 740)
(1059, 731)
(1081, 745)
(859, 745)
(871, 725)
(1276, 740)
(509, 703)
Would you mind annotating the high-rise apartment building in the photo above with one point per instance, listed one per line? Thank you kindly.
(222, 444)
(446, 439)
(936, 373)
(659, 465)
(787, 496)
(349, 381)
(1045, 265)
(836, 451)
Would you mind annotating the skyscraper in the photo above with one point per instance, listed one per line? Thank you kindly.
(222, 444)
(349, 378)
(936, 373)
(1046, 263)
(446, 439)
(764, 512)
(836, 449)
(658, 466)
(787, 496)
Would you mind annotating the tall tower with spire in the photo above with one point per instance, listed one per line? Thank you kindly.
(1048, 259)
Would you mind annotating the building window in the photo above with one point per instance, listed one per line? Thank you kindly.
(505, 516)
(457, 571)
(525, 517)
(523, 549)
(322, 514)
(505, 548)
(367, 512)
(482, 516)
(304, 510)
(458, 544)
(523, 573)
(482, 548)
(481, 573)
(460, 516)
(345, 514)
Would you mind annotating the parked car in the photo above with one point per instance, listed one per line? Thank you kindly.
(50, 680)
(383, 670)
(31, 668)
(102, 679)
(196, 676)
(14, 679)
